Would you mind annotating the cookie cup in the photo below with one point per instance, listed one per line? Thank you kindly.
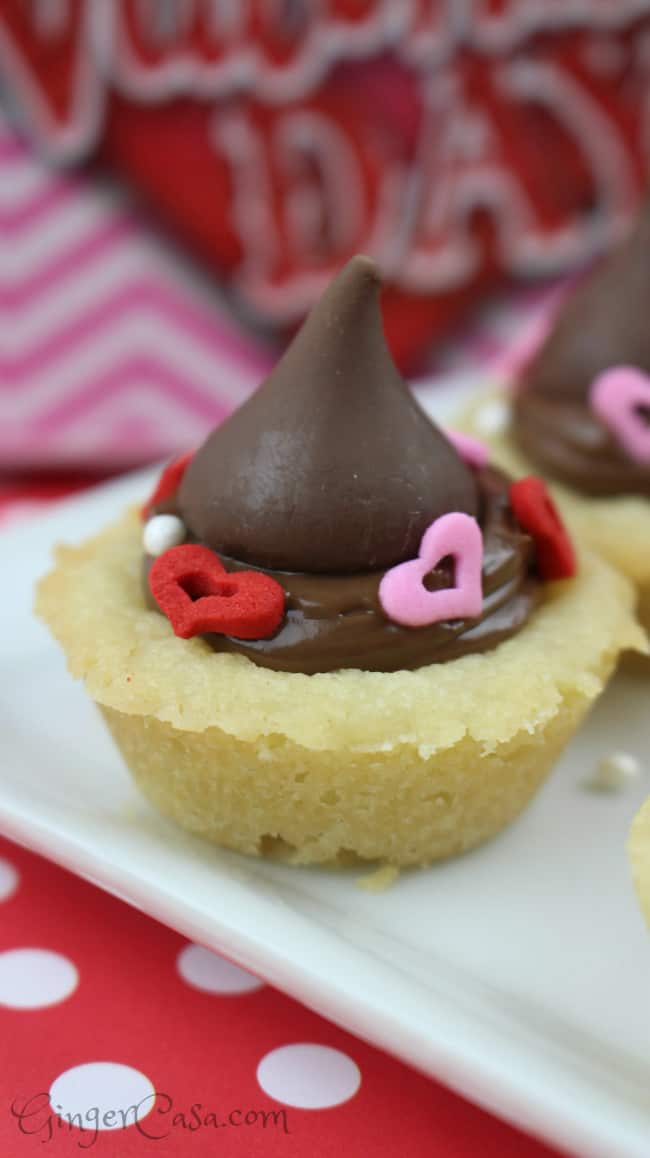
(618, 528)
(404, 767)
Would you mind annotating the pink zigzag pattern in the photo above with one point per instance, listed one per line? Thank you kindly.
(28, 216)
(134, 298)
(100, 243)
(119, 379)
(48, 414)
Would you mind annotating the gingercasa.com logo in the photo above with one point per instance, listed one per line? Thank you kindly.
(155, 1117)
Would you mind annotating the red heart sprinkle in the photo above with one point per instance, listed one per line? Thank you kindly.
(537, 514)
(168, 483)
(193, 589)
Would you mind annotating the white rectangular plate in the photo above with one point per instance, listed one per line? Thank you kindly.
(518, 975)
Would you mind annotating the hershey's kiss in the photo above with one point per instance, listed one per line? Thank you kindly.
(331, 465)
(603, 324)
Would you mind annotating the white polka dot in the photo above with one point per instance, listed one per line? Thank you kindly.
(102, 1095)
(213, 974)
(310, 1077)
(33, 978)
(8, 879)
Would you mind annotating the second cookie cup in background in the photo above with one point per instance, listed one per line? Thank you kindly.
(618, 528)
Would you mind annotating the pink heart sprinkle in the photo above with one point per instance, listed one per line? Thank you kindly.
(616, 397)
(402, 593)
(473, 452)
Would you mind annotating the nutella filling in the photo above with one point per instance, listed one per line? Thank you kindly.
(335, 620)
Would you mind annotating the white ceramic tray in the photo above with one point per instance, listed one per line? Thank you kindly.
(518, 975)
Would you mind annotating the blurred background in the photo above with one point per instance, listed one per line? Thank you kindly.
(179, 179)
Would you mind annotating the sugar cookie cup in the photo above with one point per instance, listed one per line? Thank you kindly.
(618, 528)
(404, 767)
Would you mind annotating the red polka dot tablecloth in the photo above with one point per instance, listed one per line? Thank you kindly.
(119, 1037)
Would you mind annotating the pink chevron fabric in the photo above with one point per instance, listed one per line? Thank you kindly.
(112, 350)
(115, 352)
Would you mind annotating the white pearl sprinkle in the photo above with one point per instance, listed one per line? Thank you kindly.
(162, 532)
(613, 772)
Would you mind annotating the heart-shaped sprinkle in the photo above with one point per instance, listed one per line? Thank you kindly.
(162, 532)
(402, 593)
(538, 515)
(471, 450)
(621, 399)
(168, 483)
(193, 589)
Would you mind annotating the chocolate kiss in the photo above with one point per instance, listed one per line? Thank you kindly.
(604, 324)
(331, 465)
